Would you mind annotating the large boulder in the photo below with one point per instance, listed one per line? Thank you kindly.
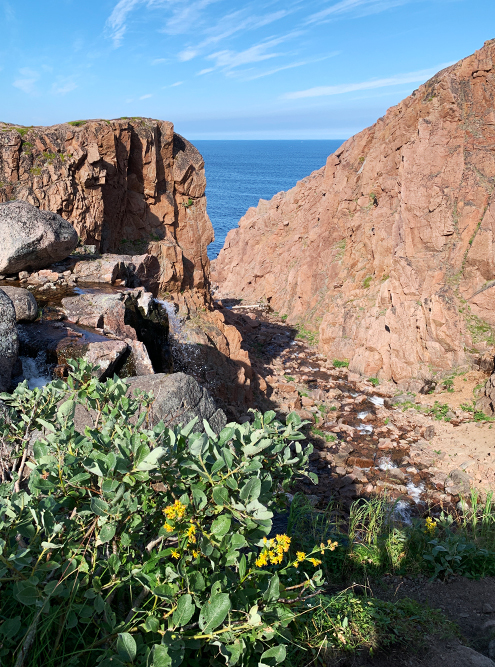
(31, 239)
(486, 402)
(26, 308)
(9, 343)
(178, 399)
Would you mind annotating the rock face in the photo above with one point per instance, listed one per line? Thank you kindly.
(9, 343)
(178, 399)
(127, 186)
(486, 402)
(32, 239)
(388, 250)
(26, 308)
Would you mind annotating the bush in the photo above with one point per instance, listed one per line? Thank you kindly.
(145, 544)
(341, 363)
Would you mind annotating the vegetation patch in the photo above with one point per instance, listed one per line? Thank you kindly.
(340, 363)
(77, 123)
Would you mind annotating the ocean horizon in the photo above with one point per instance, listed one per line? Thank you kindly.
(240, 172)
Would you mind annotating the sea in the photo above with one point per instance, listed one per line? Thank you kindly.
(240, 173)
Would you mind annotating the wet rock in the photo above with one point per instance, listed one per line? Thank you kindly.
(9, 343)
(178, 399)
(32, 239)
(26, 308)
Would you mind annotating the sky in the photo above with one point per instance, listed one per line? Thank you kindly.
(229, 69)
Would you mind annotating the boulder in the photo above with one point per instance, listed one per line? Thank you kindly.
(26, 308)
(9, 343)
(105, 354)
(31, 239)
(178, 399)
(486, 403)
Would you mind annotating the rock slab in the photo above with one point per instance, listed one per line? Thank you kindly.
(9, 342)
(388, 250)
(31, 239)
(26, 308)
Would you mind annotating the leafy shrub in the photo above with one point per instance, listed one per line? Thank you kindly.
(142, 544)
(374, 381)
(77, 123)
(341, 363)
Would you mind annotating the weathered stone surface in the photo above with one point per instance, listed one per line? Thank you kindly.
(9, 343)
(486, 403)
(126, 185)
(458, 483)
(140, 358)
(26, 308)
(178, 399)
(106, 355)
(383, 242)
(32, 239)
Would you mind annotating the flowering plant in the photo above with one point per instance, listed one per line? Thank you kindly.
(146, 545)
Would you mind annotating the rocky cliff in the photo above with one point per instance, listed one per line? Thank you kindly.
(126, 185)
(389, 250)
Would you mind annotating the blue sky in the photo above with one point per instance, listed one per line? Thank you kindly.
(260, 69)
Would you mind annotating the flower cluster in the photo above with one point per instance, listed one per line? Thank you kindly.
(273, 550)
(430, 526)
(173, 513)
(301, 555)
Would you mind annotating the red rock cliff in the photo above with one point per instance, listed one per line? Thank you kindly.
(388, 250)
(126, 185)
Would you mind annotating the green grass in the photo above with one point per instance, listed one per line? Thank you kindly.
(309, 336)
(367, 282)
(289, 378)
(77, 123)
(340, 363)
(374, 381)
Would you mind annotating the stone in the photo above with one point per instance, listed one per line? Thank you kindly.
(140, 358)
(106, 355)
(458, 483)
(385, 299)
(126, 185)
(178, 399)
(31, 239)
(9, 342)
(26, 308)
(486, 403)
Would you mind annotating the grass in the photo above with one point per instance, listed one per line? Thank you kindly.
(309, 336)
(367, 282)
(289, 378)
(340, 363)
(77, 123)
(374, 381)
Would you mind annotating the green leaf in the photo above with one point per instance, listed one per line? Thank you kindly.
(214, 612)
(184, 612)
(66, 411)
(45, 424)
(27, 594)
(11, 627)
(242, 566)
(251, 489)
(161, 656)
(272, 593)
(196, 582)
(99, 507)
(107, 533)
(232, 652)
(99, 604)
(218, 465)
(152, 624)
(220, 495)
(199, 498)
(126, 647)
(221, 525)
(77, 479)
(40, 449)
(151, 461)
(209, 430)
(109, 485)
(274, 656)
(269, 416)
(189, 427)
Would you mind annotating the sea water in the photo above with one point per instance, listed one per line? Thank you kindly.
(240, 173)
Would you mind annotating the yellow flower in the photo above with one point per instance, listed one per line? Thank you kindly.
(332, 545)
(191, 534)
(283, 542)
(195, 553)
(300, 556)
(315, 561)
(262, 559)
(430, 526)
(175, 554)
(168, 528)
(175, 511)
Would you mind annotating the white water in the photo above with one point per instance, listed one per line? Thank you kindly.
(386, 464)
(174, 321)
(362, 415)
(376, 400)
(365, 428)
(35, 371)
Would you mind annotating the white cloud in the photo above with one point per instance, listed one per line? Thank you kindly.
(188, 54)
(359, 7)
(177, 83)
(116, 22)
(28, 81)
(207, 70)
(410, 77)
(146, 97)
(159, 61)
(63, 86)
(290, 66)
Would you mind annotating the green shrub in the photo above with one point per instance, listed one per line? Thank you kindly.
(341, 363)
(374, 381)
(144, 544)
(77, 123)
(367, 282)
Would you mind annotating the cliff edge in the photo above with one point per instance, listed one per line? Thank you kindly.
(389, 250)
(126, 185)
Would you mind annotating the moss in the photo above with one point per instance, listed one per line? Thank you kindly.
(367, 282)
(36, 171)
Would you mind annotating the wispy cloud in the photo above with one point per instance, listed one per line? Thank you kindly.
(410, 77)
(63, 86)
(357, 7)
(159, 61)
(116, 22)
(28, 80)
(146, 97)
(301, 63)
(177, 83)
